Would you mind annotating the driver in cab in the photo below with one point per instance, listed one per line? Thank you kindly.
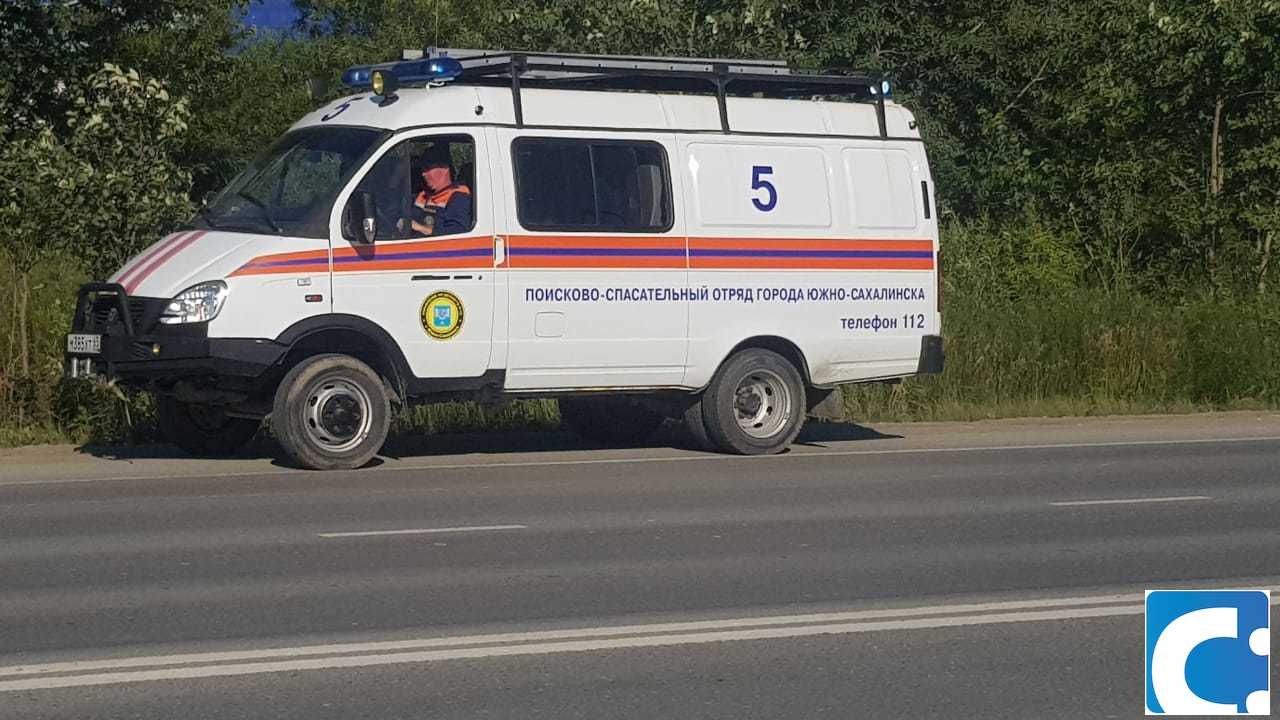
(444, 206)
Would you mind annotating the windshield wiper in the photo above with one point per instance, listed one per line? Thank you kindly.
(203, 214)
(266, 214)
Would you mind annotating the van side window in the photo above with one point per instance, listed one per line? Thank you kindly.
(883, 187)
(592, 185)
(407, 206)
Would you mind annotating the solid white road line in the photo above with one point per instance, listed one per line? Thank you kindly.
(707, 457)
(1130, 501)
(546, 648)
(422, 531)
(607, 631)
(274, 660)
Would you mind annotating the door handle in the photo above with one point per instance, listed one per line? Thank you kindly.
(499, 251)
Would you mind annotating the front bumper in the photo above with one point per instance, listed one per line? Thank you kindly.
(138, 350)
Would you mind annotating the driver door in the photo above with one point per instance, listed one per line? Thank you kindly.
(433, 294)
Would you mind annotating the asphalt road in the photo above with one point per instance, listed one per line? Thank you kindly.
(945, 570)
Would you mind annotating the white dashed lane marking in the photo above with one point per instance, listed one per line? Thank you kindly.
(1131, 501)
(421, 531)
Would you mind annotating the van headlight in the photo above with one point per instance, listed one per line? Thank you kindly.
(198, 303)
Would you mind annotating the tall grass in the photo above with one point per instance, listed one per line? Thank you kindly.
(1082, 352)
(1031, 328)
(475, 417)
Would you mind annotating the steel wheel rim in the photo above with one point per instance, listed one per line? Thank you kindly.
(762, 404)
(337, 415)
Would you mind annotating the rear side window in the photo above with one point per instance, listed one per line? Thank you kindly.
(592, 185)
(884, 189)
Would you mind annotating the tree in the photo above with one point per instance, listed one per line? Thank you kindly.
(1185, 99)
(48, 45)
(100, 191)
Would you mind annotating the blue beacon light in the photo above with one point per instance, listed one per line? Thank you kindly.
(357, 77)
(443, 69)
(438, 69)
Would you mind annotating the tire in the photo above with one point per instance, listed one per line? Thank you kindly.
(755, 404)
(203, 430)
(331, 412)
(697, 426)
(609, 420)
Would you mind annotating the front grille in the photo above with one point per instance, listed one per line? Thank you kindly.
(102, 313)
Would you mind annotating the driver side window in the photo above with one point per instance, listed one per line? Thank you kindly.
(423, 188)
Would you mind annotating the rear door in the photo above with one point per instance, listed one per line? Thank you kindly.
(433, 294)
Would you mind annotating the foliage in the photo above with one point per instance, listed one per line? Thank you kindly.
(106, 187)
(1108, 171)
(100, 190)
(261, 93)
(49, 45)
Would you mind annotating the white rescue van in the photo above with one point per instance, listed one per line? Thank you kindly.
(640, 238)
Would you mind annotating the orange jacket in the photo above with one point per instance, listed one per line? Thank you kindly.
(441, 198)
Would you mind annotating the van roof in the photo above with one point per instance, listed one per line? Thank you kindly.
(544, 108)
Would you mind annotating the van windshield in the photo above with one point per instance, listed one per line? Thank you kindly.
(290, 188)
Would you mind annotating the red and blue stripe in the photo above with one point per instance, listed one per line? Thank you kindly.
(610, 252)
(445, 254)
(809, 254)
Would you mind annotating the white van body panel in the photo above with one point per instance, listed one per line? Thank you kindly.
(258, 305)
(854, 298)
(803, 225)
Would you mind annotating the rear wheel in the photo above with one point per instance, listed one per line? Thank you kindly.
(331, 412)
(204, 430)
(610, 420)
(755, 404)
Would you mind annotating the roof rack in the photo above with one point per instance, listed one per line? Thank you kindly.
(723, 77)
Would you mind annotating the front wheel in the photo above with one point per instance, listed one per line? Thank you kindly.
(331, 412)
(204, 430)
(755, 404)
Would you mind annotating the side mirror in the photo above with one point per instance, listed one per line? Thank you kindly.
(317, 88)
(362, 218)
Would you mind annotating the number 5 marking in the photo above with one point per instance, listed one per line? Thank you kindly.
(759, 183)
(338, 110)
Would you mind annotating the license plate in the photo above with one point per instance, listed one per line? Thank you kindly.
(81, 344)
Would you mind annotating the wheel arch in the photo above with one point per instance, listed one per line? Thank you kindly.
(793, 354)
(780, 345)
(351, 335)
